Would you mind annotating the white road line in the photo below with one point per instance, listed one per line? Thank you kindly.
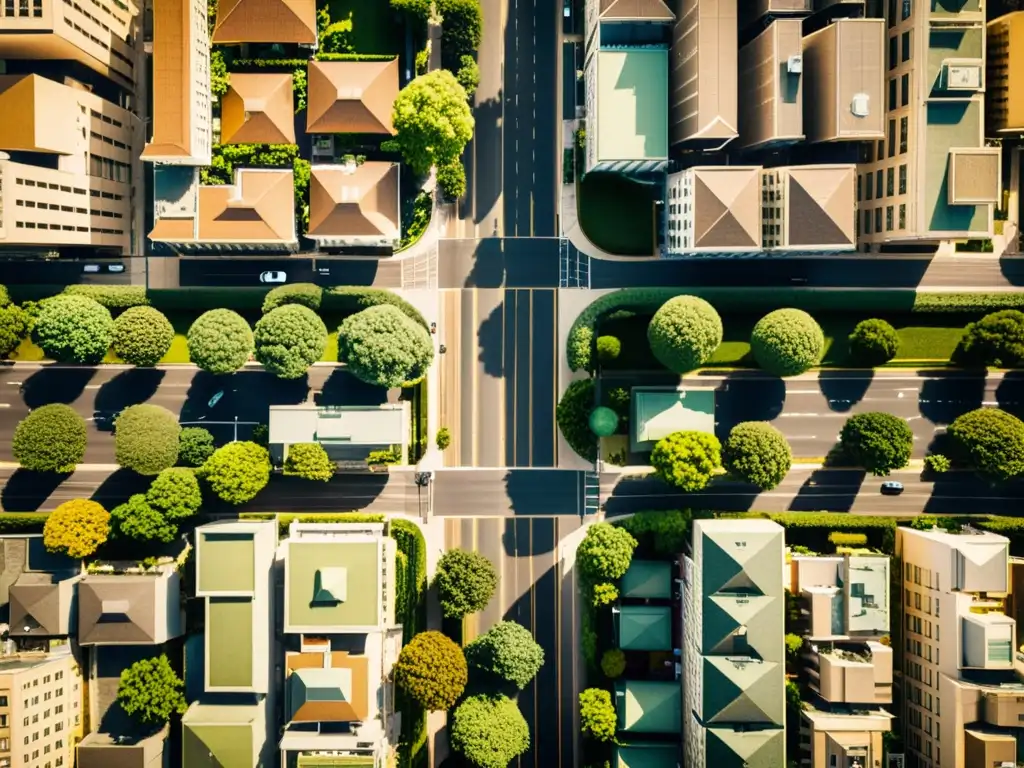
(13, 383)
(5, 405)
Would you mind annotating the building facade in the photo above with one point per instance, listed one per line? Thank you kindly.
(1004, 75)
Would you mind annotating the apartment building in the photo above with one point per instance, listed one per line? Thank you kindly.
(1004, 75)
(771, 103)
(932, 178)
(733, 655)
(713, 209)
(809, 208)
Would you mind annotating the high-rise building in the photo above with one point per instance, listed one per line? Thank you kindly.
(1004, 75)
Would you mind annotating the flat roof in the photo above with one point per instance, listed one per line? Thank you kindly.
(229, 628)
(333, 584)
(347, 425)
(658, 412)
(632, 104)
(227, 561)
(647, 579)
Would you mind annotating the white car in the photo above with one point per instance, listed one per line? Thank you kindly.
(115, 267)
(273, 277)
(91, 268)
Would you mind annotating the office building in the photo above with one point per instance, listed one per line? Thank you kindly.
(713, 209)
(771, 98)
(809, 208)
(1004, 75)
(733, 655)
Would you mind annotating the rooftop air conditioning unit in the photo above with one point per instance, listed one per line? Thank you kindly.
(795, 65)
(963, 77)
(859, 105)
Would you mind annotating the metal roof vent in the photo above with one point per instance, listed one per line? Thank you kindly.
(859, 105)
(795, 65)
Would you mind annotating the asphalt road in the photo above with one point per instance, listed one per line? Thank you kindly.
(495, 262)
(508, 492)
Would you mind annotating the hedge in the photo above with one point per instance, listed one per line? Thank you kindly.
(22, 522)
(347, 300)
(203, 299)
(5, 297)
(287, 65)
(112, 296)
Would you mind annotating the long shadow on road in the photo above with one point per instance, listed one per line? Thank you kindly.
(833, 490)
(490, 337)
(119, 486)
(1010, 393)
(27, 491)
(56, 385)
(744, 398)
(944, 396)
(844, 389)
(127, 388)
(543, 492)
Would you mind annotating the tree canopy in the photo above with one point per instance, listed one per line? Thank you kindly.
(605, 552)
(175, 493)
(508, 651)
(873, 342)
(142, 336)
(220, 341)
(73, 329)
(787, 342)
(51, 438)
(573, 417)
(309, 461)
(489, 731)
(151, 691)
(137, 519)
(687, 460)
(465, 581)
(236, 472)
(460, 31)
(305, 294)
(598, 718)
(383, 346)
(879, 442)
(757, 453)
(76, 528)
(195, 446)
(684, 333)
(990, 441)
(289, 339)
(997, 339)
(432, 120)
(432, 670)
(14, 327)
(146, 438)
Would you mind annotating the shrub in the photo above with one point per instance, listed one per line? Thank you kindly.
(794, 643)
(613, 663)
(142, 336)
(997, 339)
(598, 718)
(111, 296)
(73, 329)
(666, 531)
(5, 296)
(605, 593)
(237, 472)
(608, 349)
(687, 460)
(508, 651)
(937, 463)
(76, 528)
(175, 493)
(195, 446)
(51, 438)
(573, 417)
(305, 294)
(468, 75)
(787, 342)
(289, 339)
(841, 539)
(489, 731)
(874, 342)
(451, 179)
(136, 519)
(605, 553)
(431, 670)
(603, 421)
(309, 461)
(382, 346)
(461, 30)
(150, 691)
(220, 341)
(14, 327)
(146, 438)
(879, 442)
(443, 438)
(465, 581)
(348, 300)
(757, 453)
(990, 441)
(684, 333)
(336, 38)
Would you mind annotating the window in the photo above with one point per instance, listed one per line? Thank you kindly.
(878, 183)
(889, 173)
(867, 222)
(892, 138)
(893, 52)
(903, 216)
(3, 701)
(903, 180)
(868, 182)
(907, 8)
(903, 134)
(905, 46)
(35, 718)
(904, 90)
(859, 189)
(878, 219)
(892, 93)
(888, 218)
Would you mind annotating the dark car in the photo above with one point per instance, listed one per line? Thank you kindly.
(891, 487)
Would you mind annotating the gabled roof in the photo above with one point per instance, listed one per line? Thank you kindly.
(126, 610)
(821, 205)
(753, 568)
(358, 203)
(265, 21)
(635, 10)
(644, 627)
(351, 96)
(37, 607)
(258, 109)
(727, 207)
(757, 617)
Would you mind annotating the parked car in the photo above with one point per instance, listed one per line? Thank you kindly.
(273, 277)
(115, 267)
(91, 268)
(892, 487)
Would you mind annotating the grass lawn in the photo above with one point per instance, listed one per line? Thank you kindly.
(374, 27)
(617, 213)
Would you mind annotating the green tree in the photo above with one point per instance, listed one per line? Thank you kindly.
(14, 328)
(460, 31)
(175, 493)
(608, 349)
(337, 37)
(73, 329)
(598, 719)
(937, 463)
(383, 346)
(757, 453)
(220, 78)
(787, 342)
(684, 333)
(990, 441)
(793, 645)
(142, 336)
(604, 593)
(146, 438)
(151, 691)
(136, 519)
(687, 460)
(289, 339)
(451, 179)
(879, 442)
(468, 75)
(237, 472)
(605, 553)
(432, 120)
(220, 341)
(443, 438)
(489, 731)
(613, 663)
(306, 294)
(874, 342)
(432, 670)
(666, 531)
(573, 416)
(309, 461)
(465, 582)
(997, 339)
(51, 438)
(195, 446)
(76, 528)
(508, 651)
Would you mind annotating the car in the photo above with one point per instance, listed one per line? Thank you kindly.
(273, 277)
(215, 399)
(91, 268)
(892, 487)
(115, 267)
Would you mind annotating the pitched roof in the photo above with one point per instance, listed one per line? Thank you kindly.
(727, 207)
(351, 96)
(35, 606)
(258, 109)
(646, 706)
(750, 747)
(821, 205)
(359, 203)
(265, 21)
(742, 690)
(629, 10)
(329, 695)
(647, 579)
(120, 609)
(644, 627)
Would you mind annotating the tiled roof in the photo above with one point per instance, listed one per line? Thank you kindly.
(265, 21)
(258, 109)
(363, 202)
(351, 96)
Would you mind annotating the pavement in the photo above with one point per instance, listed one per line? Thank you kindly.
(508, 492)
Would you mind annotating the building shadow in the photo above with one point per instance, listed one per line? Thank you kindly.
(482, 159)
(349, 491)
(247, 396)
(745, 397)
(27, 491)
(130, 387)
(119, 486)
(56, 385)
(829, 490)
(944, 396)
(490, 335)
(1012, 269)
(844, 389)
(342, 388)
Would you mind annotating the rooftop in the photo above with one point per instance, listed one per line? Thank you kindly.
(632, 104)
(258, 109)
(227, 561)
(351, 96)
(345, 425)
(265, 21)
(660, 411)
(222, 736)
(644, 627)
(128, 609)
(356, 203)
(649, 707)
(650, 579)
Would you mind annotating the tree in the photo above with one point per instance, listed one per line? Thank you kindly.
(613, 663)
(874, 342)
(142, 336)
(684, 333)
(687, 460)
(990, 441)
(14, 327)
(757, 453)
(787, 342)
(146, 438)
(195, 446)
(151, 691)
(605, 552)
(309, 461)
(451, 179)
(51, 438)
(508, 651)
(443, 438)
(289, 339)
(598, 718)
(997, 339)
(794, 643)
(489, 731)
(73, 329)
(76, 528)
(604, 593)
(306, 294)
(608, 349)
(383, 346)
(237, 472)
(220, 341)
(465, 581)
(879, 442)
(337, 36)
(937, 463)
(573, 416)
(432, 670)
(432, 120)
(468, 75)
(460, 31)
(220, 78)
(175, 493)
(137, 519)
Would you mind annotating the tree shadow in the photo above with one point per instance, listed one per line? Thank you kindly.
(128, 388)
(944, 396)
(483, 182)
(27, 491)
(56, 385)
(844, 389)
(350, 491)
(248, 396)
(1012, 269)
(491, 337)
(118, 486)
(342, 388)
(488, 270)
(1010, 393)
(829, 490)
(747, 397)
(548, 492)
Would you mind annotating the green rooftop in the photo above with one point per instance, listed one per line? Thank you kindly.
(227, 562)
(650, 579)
(229, 648)
(646, 756)
(649, 707)
(333, 584)
(632, 104)
(658, 412)
(220, 736)
(644, 627)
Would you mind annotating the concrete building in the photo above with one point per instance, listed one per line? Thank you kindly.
(932, 178)
(771, 97)
(354, 205)
(713, 209)
(809, 208)
(733, 655)
(1004, 75)
(346, 432)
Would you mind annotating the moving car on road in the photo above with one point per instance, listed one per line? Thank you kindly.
(892, 487)
(273, 277)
